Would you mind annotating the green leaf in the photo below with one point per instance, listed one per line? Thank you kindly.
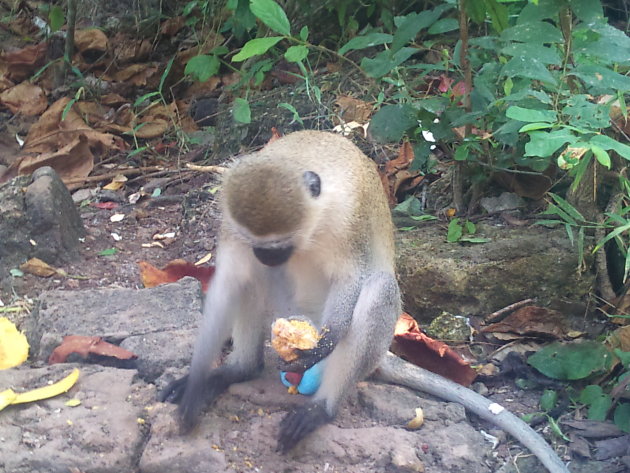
(385, 61)
(533, 68)
(602, 78)
(544, 144)
(56, 18)
(598, 409)
(530, 115)
(423, 218)
(548, 400)
(291, 108)
(568, 208)
(612, 46)
(590, 393)
(411, 24)
(455, 231)
(470, 227)
(569, 361)
(304, 33)
(533, 32)
(535, 126)
(202, 67)
(296, 53)
(16, 273)
(390, 123)
(365, 41)
(444, 26)
(621, 417)
(476, 10)
(608, 143)
(555, 428)
(461, 153)
(241, 111)
(256, 47)
(624, 357)
(108, 252)
(616, 232)
(272, 15)
(498, 14)
(602, 156)
(528, 51)
(587, 10)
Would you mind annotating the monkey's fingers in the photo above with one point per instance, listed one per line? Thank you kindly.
(298, 423)
(173, 391)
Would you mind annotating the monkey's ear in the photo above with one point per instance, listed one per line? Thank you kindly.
(313, 182)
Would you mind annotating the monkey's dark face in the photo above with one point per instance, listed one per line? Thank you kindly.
(273, 256)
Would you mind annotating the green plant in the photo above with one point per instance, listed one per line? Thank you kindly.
(580, 363)
(459, 232)
(541, 85)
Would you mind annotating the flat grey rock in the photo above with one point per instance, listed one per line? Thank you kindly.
(102, 434)
(157, 324)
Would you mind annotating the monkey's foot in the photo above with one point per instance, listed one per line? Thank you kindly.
(300, 422)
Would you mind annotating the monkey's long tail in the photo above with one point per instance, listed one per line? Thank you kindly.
(397, 371)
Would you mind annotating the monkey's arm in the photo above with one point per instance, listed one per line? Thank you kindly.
(393, 369)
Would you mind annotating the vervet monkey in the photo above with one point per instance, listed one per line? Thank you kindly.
(307, 231)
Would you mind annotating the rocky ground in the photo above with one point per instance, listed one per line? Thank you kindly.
(120, 427)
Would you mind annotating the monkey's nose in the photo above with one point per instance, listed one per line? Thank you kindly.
(273, 256)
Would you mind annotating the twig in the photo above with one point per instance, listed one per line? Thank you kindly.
(499, 314)
(215, 169)
(113, 174)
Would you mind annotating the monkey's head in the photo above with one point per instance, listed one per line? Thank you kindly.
(272, 205)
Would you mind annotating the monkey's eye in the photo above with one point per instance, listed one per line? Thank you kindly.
(313, 182)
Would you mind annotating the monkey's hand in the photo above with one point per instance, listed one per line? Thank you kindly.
(299, 423)
(192, 397)
(310, 357)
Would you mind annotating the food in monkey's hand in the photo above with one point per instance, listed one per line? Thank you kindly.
(289, 335)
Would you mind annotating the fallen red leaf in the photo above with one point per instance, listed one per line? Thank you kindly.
(174, 271)
(83, 346)
(417, 348)
(105, 205)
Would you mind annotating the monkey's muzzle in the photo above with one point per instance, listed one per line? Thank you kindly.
(273, 256)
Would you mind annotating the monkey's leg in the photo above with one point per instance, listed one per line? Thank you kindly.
(229, 310)
(355, 356)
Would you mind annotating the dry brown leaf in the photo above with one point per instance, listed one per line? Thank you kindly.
(200, 89)
(23, 62)
(128, 49)
(136, 74)
(620, 338)
(37, 267)
(172, 26)
(91, 39)
(113, 100)
(174, 271)
(531, 321)
(51, 133)
(396, 176)
(75, 160)
(84, 346)
(151, 129)
(353, 110)
(5, 83)
(25, 99)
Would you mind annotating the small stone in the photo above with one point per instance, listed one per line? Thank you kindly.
(405, 459)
